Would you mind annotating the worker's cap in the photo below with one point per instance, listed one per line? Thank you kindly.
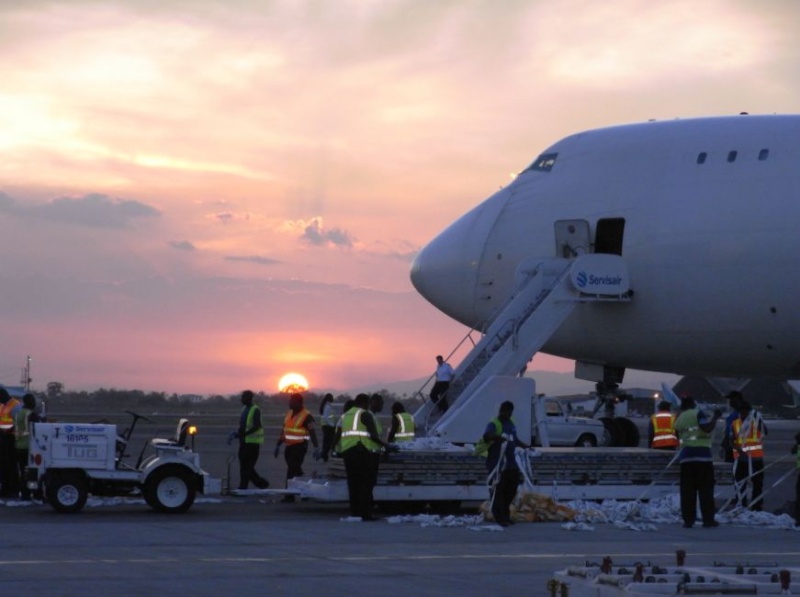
(687, 402)
(664, 405)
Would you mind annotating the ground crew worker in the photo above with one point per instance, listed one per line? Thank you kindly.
(298, 428)
(661, 431)
(9, 475)
(24, 419)
(329, 419)
(693, 428)
(735, 399)
(251, 436)
(748, 431)
(360, 440)
(498, 444)
(444, 375)
(403, 427)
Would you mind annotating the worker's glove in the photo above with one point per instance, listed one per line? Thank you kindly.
(232, 436)
(534, 453)
(317, 453)
(276, 451)
(506, 437)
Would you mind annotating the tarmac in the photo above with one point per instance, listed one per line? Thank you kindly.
(257, 546)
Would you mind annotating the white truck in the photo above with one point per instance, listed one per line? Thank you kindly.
(554, 424)
(70, 461)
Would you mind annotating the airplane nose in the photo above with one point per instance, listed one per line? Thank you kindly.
(445, 271)
(442, 274)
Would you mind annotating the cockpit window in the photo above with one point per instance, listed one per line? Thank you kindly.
(544, 163)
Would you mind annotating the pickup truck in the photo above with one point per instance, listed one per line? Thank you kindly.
(564, 429)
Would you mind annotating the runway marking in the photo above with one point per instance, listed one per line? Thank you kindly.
(417, 557)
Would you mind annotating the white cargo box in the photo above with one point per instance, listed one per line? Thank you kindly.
(85, 446)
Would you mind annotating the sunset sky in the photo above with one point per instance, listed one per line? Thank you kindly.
(199, 196)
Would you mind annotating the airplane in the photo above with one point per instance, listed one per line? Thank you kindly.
(701, 216)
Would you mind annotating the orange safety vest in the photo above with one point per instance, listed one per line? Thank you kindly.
(752, 444)
(6, 418)
(294, 431)
(664, 430)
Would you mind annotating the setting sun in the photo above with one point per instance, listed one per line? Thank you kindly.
(292, 382)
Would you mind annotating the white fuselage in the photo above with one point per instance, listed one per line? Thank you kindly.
(705, 212)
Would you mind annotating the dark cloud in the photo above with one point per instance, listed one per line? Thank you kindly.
(94, 210)
(253, 259)
(182, 245)
(315, 234)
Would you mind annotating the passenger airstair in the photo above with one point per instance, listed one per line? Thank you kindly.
(548, 293)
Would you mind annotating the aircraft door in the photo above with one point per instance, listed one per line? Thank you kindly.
(573, 238)
(608, 238)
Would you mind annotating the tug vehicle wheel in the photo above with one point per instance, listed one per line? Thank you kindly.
(170, 489)
(67, 491)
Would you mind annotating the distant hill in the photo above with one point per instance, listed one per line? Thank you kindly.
(551, 383)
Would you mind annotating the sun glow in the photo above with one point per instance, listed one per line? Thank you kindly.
(292, 382)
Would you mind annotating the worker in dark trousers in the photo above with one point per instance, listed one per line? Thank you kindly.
(748, 432)
(694, 428)
(359, 441)
(251, 436)
(498, 444)
(444, 375)
(24, 419)
(298, 428)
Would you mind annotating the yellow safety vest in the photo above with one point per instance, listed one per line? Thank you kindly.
(354, 432)
(690, 433)
(22, 440)
(664, 430)
(294, 431)
(406, 427)
(257, 437)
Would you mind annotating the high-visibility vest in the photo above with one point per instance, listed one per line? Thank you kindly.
(689, 430)
(6, 418)
(664, 430)
(22, 439)
(751, 444)
(257, 437)
(354, 431)
(482, 447)
(294, 431)
(406, 427)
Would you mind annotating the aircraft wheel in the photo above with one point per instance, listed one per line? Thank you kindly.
(170, 489)
(67, 491)
(587, 440)
(631, 432)
(615, 432)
